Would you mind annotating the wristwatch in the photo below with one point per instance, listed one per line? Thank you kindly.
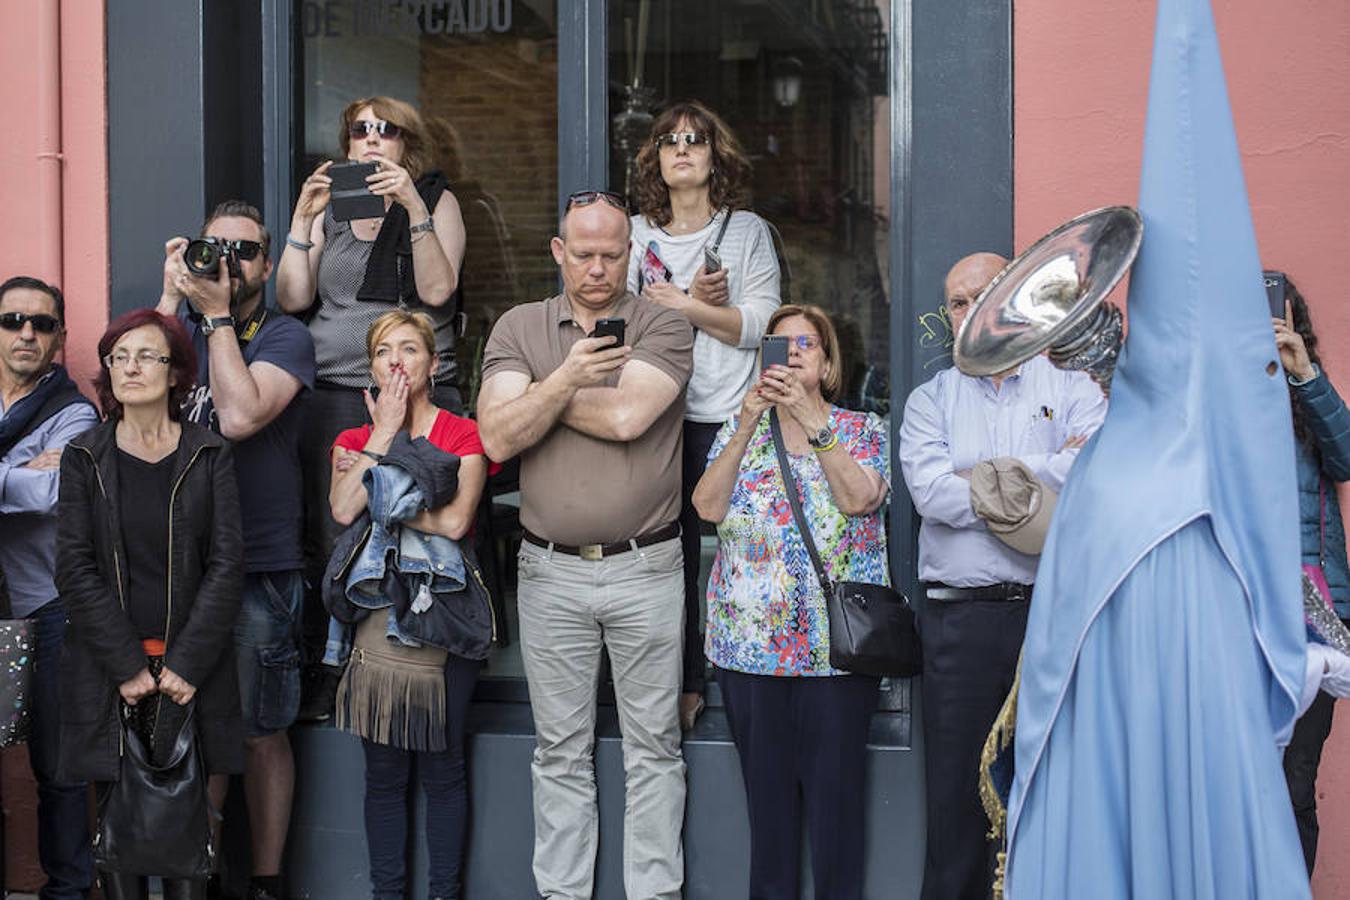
(211, 324)
(428, 225)
(821, 438)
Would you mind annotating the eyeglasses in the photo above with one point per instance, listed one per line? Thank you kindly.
(363, 127)
(673, 139)
(804, 341)
(586, 198)
(41, 322)
(144, 359)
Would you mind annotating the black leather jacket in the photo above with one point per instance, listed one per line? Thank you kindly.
(102, 649)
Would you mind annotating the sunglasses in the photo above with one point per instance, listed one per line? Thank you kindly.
(41, 322)
(362, 128)
(674, 138)
(245, 250)
(586, 198)
(804, 341)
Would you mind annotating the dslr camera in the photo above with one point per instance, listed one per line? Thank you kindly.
(202, 255)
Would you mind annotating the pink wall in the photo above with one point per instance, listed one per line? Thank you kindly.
(84, 275)
(84, 278)
(1080, 83)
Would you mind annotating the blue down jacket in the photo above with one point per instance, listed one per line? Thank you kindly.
(435, 588)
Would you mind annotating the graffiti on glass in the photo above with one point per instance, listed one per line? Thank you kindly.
(935, 333)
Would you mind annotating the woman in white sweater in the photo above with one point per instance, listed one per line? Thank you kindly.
(698, 250)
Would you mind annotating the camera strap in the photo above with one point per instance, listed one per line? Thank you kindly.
(248, 329)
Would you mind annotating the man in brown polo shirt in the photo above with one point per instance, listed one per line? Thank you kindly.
(597, 429)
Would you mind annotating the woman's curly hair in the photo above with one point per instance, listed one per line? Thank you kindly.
(1301, 322)
(729, 186)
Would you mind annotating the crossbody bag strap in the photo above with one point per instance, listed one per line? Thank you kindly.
(721, 232)
(794, 500)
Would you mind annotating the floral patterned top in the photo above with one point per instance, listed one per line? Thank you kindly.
(766, 610)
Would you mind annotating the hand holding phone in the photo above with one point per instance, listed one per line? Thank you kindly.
(773, 351)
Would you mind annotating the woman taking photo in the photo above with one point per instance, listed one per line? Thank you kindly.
(692, 188)
(800, 726)
(345, 275)
(402, 354)
(1322, 445)
(149, 559)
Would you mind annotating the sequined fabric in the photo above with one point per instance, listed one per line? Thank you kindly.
(18, 641)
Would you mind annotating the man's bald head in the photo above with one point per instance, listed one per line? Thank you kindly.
(966, 281)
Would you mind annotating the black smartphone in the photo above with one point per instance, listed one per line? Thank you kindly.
(350, 195)
(712, 262)
(1275, 287)
(773, 351)
(614, 327)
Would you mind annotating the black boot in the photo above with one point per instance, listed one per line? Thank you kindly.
(117, 886)
(184, 889)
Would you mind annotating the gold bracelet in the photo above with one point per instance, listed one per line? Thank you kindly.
(834, 441)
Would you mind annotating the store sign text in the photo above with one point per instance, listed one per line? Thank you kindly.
(342, 18)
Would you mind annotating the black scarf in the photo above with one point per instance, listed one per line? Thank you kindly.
(391, 253)
(53, 393)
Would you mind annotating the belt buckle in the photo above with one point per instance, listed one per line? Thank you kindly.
(591, 552)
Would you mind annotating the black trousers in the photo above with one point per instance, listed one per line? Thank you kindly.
(803, 749)
(1301, 759)
(970, 650)
(698, 440)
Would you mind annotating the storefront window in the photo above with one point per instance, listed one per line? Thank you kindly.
(803, 83)
(484, 74)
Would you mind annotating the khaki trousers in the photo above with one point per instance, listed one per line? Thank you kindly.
(633, 604)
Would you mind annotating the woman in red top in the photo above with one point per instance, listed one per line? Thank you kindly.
(401, 346)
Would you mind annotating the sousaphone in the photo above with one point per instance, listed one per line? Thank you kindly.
(1052, 300)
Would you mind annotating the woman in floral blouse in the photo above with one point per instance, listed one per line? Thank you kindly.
(800, 725)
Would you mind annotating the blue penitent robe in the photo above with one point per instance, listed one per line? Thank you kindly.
(1165, 649)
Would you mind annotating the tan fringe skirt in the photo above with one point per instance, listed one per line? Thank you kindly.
(392, 694)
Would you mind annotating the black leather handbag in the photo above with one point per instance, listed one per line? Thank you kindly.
(871, 625)
(156, 819)
(18, 650)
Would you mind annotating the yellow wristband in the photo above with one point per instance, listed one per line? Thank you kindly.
(834, 440)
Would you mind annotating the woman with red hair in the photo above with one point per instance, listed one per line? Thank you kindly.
(149, 564)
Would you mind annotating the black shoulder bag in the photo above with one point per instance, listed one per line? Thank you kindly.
(871, 625)
(155, 819)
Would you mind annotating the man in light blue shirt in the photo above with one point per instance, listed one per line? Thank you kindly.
(40, 410)
(978, 589)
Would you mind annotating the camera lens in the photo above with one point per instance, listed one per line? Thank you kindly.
(202, 256)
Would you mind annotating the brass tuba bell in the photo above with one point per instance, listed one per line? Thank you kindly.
(1051, 299)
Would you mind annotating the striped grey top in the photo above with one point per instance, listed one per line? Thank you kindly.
(340, 325)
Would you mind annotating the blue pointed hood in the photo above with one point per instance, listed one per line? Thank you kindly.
(1199, 422)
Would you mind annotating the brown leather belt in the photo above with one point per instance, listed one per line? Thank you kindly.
(600, 551)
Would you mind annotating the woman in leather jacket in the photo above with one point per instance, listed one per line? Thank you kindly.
(149, 561)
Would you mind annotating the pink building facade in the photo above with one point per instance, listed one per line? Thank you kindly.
(1079, 83)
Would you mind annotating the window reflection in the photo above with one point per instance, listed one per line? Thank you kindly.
(803, 84)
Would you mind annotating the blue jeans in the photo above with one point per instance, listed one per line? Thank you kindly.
(63, 832)
(445, 783)
(267, 641)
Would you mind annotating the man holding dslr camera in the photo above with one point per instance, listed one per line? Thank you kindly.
(253, 364)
